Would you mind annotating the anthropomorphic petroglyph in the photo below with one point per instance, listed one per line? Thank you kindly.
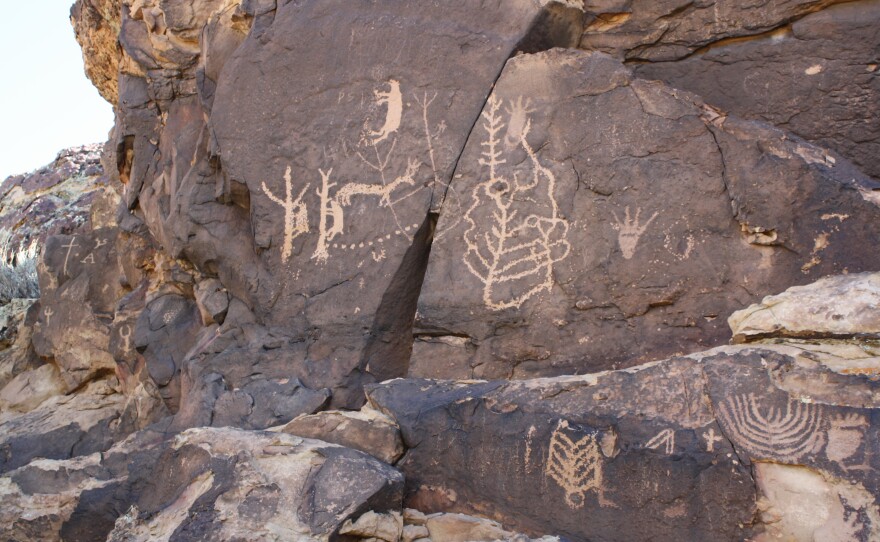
(574, 462)
(125, 336)
(48, 313)
(665, 438)
(392, 99)
(772, 432)
(711, 438)
(296, 219)
(514, 259)
(630, 231)
(518, 112)
(69, 246)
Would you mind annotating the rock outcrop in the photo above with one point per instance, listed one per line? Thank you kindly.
(518, 231)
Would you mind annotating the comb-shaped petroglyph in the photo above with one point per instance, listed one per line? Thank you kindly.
(574, 462)
(846, 435)
(514, 257)
(772, 432)
(629, 231)
(296, 219)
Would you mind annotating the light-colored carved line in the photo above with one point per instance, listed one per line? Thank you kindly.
(295, 213)
(772, 432)
(575, 465)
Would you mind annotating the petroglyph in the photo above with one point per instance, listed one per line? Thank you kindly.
(630, 231)
(529, 437)
(125, 336)
(329, 210)
(393, 102)
(48, 313)
(690, 243)
(514, 259)
(384, 190)
(845, 437)
(69, 246)
(772, 432)
(518, 112)
(711, 439)
(665, 438)
(88, 259)
(296, 220)
(575, 464)
(100, 242)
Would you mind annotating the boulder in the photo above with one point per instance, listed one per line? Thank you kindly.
(598, 221)
(366, 430)
(839, 306)
(812, 78)
(667, 448)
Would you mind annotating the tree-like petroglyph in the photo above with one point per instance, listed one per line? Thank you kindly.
(629, 231)
(574, 462)
(772, 432)
(296, 219)
(665, 439)
(514, 256)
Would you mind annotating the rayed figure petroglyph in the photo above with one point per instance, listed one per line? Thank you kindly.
(630, 231)
(296, 219)
(515, 255)
(774, 432)
(845, 437)
(574, 462)
(392, 99)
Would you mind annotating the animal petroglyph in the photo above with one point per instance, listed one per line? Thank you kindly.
(630, 231)
(574, 462)
(393, 102)
(383, 190)
(69, 246)
(773, 432)
(514, 256)
(296, 219)
(665, 438)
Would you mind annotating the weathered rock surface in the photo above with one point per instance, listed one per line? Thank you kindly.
(217, 484)
(665, 448)
(816, 78)
(631, 234)
(366, 430)
(834, 307)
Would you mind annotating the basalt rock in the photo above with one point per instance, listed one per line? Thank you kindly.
(813, 78)
(599, 221)
(671, 448)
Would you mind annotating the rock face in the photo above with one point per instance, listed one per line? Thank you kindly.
(488, 220)
(632, 233)
(810, 77)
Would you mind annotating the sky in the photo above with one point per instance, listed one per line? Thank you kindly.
(48, 102)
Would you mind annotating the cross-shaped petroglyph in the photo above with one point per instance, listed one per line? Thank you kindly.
(296, 219)
(711, 439)
(665, 438)
(70, 246)
(575, 464)
(513, 256)
(630, 231)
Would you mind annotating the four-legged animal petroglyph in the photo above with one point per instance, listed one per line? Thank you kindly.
(630, 231)
(772, 432)
(392, 99)
(514, 256)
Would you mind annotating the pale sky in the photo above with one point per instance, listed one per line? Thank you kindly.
(48, 102)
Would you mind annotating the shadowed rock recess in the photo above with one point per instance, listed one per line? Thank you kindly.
(448, 271)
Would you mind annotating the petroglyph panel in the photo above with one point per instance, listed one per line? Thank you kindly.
(574, 462)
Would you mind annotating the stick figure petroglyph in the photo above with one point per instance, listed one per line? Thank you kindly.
(630, 231)
(48, 312)
(125, 335)
(296, 221)
(711, 439)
